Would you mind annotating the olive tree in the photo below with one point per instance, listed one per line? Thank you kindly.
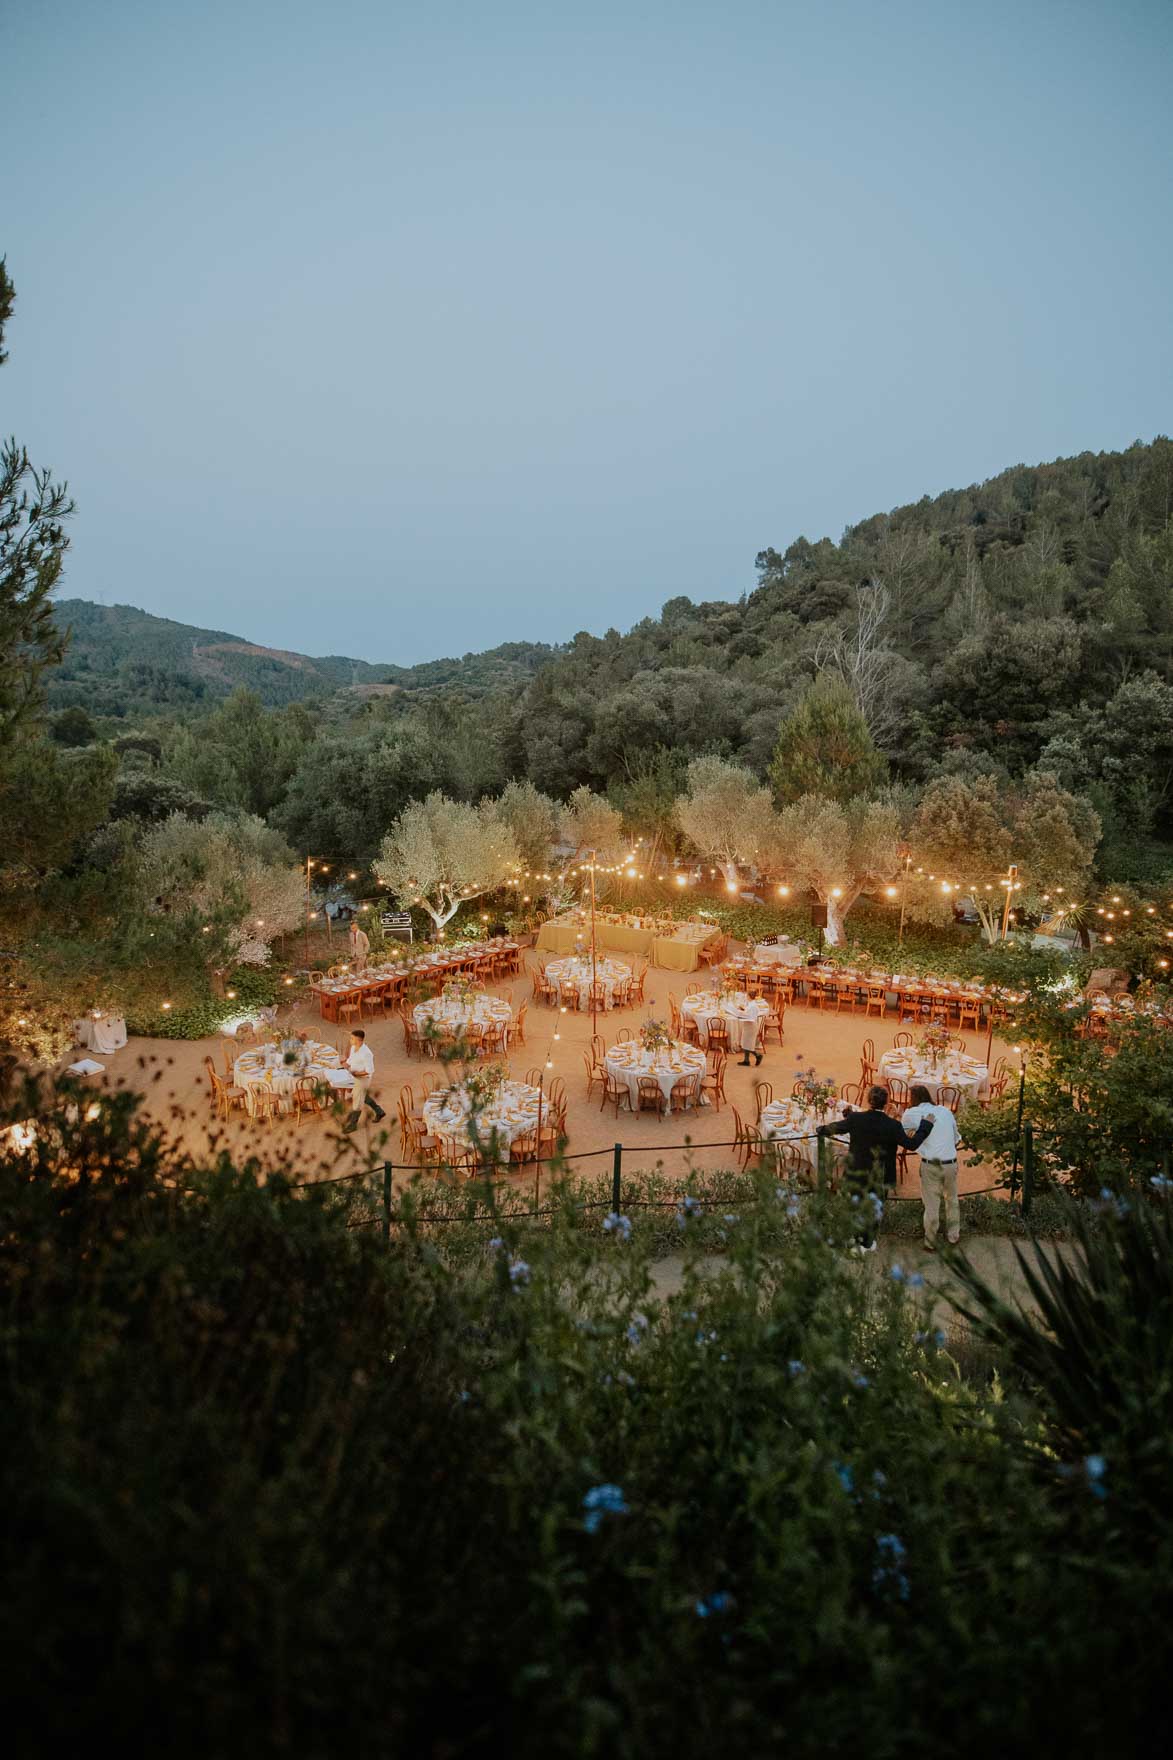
(837, 850)
(727, 815)
(966, 833)
(441, 853)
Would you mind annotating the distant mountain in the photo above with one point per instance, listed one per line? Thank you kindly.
(125, 662)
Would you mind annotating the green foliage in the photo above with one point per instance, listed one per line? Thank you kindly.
(203, 1015)
(264, 1475)
(33, 512)
(824, 748)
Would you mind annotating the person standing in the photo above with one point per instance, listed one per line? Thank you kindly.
(938, 1164)
(361, 1064)
(871, 1165)
(360, 945)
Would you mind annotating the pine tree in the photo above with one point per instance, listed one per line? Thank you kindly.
(33, 511)
(824, 748)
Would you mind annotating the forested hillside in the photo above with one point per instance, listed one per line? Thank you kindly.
(122, 662)
(1021, 624)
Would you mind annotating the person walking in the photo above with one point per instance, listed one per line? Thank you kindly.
(360, 945)
(871, 1165)
(938, 1164)
(361, 1064)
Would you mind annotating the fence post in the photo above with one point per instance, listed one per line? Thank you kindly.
(387, 1176)
(617, 1180)
(1028, 1167)
(822, 1149)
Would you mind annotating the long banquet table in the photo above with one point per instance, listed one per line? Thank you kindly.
(676, 947)
(394, 981)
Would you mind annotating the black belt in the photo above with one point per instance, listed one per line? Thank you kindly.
(936, 1161)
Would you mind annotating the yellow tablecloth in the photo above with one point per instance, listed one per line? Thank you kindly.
(679, 953)
(556, 937)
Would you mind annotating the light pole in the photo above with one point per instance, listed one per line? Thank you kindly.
(1022, 1053)
(905, 854)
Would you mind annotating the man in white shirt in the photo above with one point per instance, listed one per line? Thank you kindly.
(361, 1064)
(938, 1165)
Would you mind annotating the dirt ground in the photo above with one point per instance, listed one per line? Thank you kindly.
(171, 1075)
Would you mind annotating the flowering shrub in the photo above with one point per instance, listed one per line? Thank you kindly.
(819, 1093)
(655, 1036)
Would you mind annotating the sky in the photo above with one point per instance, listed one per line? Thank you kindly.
(401, 330)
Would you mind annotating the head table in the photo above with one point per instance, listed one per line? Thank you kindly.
(512, 1112)
(970, 1077)
(476, 959)
(609, 973)
(629, 1062)
(277, 1070)
(743, 1013)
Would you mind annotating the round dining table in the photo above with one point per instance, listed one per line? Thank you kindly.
(277, 1070)
(744, 1015)
(628, 1062)
(789, 1121)
(512, 1112)
(609, 973)
(969, 1076)
(455, 1014)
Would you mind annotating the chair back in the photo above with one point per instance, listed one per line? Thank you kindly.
(900, 1041)
(763, 1093)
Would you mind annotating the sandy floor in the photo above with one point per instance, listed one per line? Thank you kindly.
(172, 1077)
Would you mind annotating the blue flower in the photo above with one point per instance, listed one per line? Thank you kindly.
(795, 1368)
(718, 1602)
(1160, 1184)
(496, 1244)
(879, 1479)
(1094, 1468)
(730, 1219)
(619, 1226)
(897, 1274)
(635, 1332)
(600, 1501)
(844, 1475)
(703, 1337)
(518, 1273)
(689, 1206)
(859, 1379)
(891, 1548)
(916, 1280)
(877, 1206)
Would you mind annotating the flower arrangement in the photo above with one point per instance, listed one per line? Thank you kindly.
(655, 1036)
(817, 1093)
(459, 990)
(483, 1085)
(729, 985)
(934, 1041)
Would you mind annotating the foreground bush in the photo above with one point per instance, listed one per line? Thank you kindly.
(272, 1486)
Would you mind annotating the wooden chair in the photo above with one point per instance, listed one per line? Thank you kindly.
(310, 1096)
(713, 1081)
(690, 1030)
(773, 1023)
(651, 1094)
(875, 1000)
(902, 1041)
(899, 1098)
(517, 1031)
(524, 1148)
(493, 1037)
(568, 996)
(718, 1033)
(749, 1143)
(350, 1007)
(908, 1005)
(598, 1051)
(763, 1093)
(852, 1093)
(225, 1096)
(535, 1077)
(638, 986)
(615, 1093)
(950, 1097)
(597, 998)
(969, 1013)
(595, 1074)
(685, 1094)
(624, 1036)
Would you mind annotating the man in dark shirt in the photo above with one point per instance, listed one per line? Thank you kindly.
(871, 1161)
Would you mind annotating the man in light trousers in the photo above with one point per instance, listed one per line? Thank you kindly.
(361, 1064)
(360, 945)
(938, 1165)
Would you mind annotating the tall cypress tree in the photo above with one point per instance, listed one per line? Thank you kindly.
(33, 511)
(824, 748)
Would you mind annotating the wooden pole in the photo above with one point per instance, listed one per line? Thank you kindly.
(1011, 877)
(594, 956)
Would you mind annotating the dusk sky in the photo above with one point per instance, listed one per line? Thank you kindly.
(402, 330)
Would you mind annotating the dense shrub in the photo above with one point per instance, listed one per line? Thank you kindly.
(271, 1486)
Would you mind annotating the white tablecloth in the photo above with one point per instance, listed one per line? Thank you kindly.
(966, 1073)
(512, 1112)
(578, 972)
(743, 1013)
(787, 1121)
(781, 953)
(101, 1032)
(264, 1067)
(455, 1015)
(629, 1062)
